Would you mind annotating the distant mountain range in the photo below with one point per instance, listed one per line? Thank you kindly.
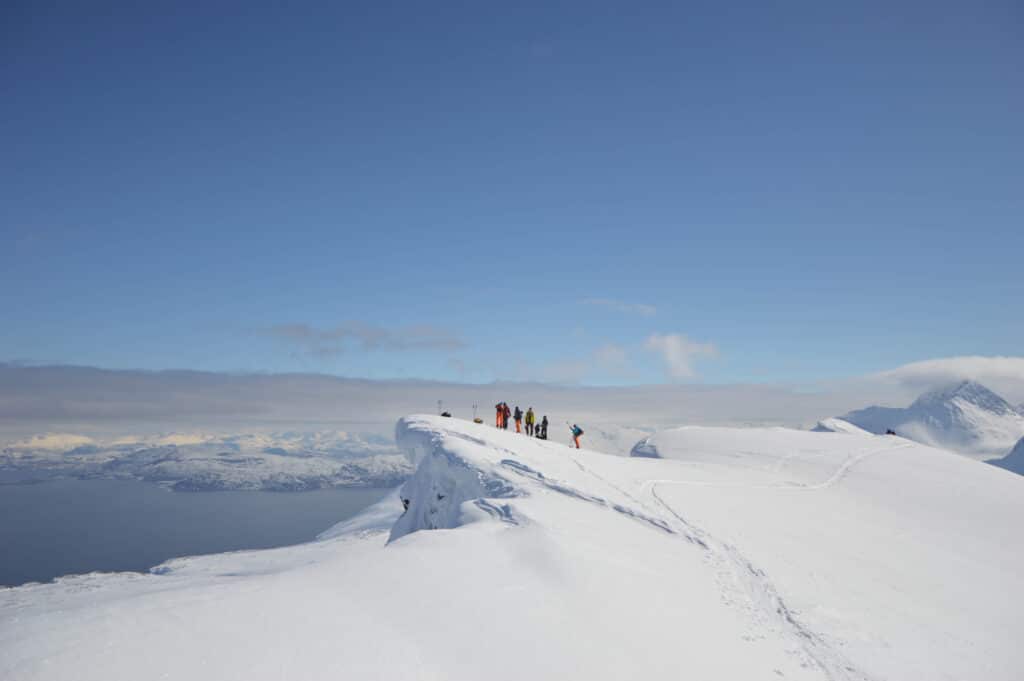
(287, 461)
(966, 417)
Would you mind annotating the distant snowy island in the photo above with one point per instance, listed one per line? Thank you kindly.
(287, 461)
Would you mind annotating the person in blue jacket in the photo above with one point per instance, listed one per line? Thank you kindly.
(576, 432)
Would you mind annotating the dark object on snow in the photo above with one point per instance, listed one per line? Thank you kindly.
(890, 431)
(405, 506)
(446, 413)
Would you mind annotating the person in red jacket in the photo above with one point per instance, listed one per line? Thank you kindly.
(507, 414)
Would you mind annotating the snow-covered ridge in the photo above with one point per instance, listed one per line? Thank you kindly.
(736, 554)
(728, 488)
(965, 417)
(202, 461)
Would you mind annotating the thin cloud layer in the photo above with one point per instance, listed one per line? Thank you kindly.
(358, 336)
(95, 403)
(619, 306)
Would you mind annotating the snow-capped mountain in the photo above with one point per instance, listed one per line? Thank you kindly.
(1014, 461)
(763, 553)
(289, 461)
(967, 418)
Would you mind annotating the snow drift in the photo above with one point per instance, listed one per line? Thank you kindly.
(736, 554)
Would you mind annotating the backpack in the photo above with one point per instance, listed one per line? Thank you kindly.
(577, 431)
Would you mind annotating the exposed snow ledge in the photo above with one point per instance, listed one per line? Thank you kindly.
(448, 476)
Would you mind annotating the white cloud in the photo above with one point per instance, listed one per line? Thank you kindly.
(1002, 374)
(679, 353)
(609, 359)
(611, 356)
(619, 306)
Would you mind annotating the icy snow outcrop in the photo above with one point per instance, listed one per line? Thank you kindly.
(836, 425)
(443, 482)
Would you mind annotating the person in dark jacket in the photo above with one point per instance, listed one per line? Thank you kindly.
(519, 419)
(508, 413)
(543, 429)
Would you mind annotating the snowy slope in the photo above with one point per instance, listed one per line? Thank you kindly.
(606, 438)
(966, 417)
(739, 554)
(199, 461)
(1014, 461)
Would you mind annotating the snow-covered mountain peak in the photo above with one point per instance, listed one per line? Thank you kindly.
(966, 392)
(966, 417)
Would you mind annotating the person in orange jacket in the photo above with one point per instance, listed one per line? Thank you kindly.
(500, 417)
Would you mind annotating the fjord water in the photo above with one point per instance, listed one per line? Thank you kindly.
(56, 527)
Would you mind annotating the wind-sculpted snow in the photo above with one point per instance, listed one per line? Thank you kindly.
(734, 554)
(834, 425)
(290, 461)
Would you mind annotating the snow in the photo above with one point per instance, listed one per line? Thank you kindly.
(965, 417)
(606, 438)
(736, 554)
(52, 442)
(834, 425)
(204, 461)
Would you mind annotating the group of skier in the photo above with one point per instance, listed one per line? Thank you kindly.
(528, 418)
(521, 418)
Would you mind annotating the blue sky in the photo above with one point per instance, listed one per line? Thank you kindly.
(608, 193)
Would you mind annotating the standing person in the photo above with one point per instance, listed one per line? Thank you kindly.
(519, 419)
(530, 418)
(576, 432)
(500, 407)
(544, 428)
(507, 413)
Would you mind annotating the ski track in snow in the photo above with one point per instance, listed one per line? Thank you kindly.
(831, 481)
(745, 585)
